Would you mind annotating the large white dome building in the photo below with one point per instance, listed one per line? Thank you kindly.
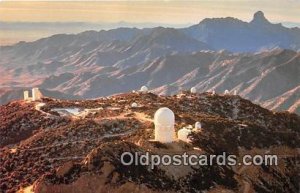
(164, 120)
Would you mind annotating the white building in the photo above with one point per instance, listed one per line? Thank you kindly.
(183, 134)
(226, 92)
(164, 120)
(134, 105)
(198, 125)
(235, 92)
(36, 94)
(193, 90)
(144, 89)
(26, 95)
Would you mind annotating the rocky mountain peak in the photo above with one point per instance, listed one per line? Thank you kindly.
(259, 18)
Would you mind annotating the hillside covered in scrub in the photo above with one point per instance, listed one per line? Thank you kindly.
(56, 145)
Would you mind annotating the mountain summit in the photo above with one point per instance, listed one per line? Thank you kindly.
(259, 18)
(238, 36)
(59, 151)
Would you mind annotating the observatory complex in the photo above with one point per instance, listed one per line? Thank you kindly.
(36, 95)
(164, 121)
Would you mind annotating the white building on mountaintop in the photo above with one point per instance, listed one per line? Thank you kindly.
(198, 125)
(164, 120)
(36, 94)
(134, 105)
(183, 134)
(144, 89)
(26, 95)
(193, 90)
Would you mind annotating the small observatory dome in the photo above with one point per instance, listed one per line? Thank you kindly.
(226, 92)
(134, 105)
(198, 125)
(193, 90)
(144, 89)
(183, 134)
(164, 120)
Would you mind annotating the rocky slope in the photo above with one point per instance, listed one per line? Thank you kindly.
(58, 151)
(268, 78)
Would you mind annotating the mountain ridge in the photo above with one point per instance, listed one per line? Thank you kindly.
(65, 151)
(238, 36)
(93, 64)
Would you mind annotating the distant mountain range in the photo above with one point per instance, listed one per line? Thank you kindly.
(259, 59)
(238, 36)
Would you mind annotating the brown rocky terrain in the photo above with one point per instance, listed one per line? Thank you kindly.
(62, 151)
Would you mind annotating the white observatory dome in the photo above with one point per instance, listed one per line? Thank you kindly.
(164, 120)
(193, 90)
(226, 92)
(144, 89)
(183, 134)
(134, 105)
(198, 125)
(164, 116)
